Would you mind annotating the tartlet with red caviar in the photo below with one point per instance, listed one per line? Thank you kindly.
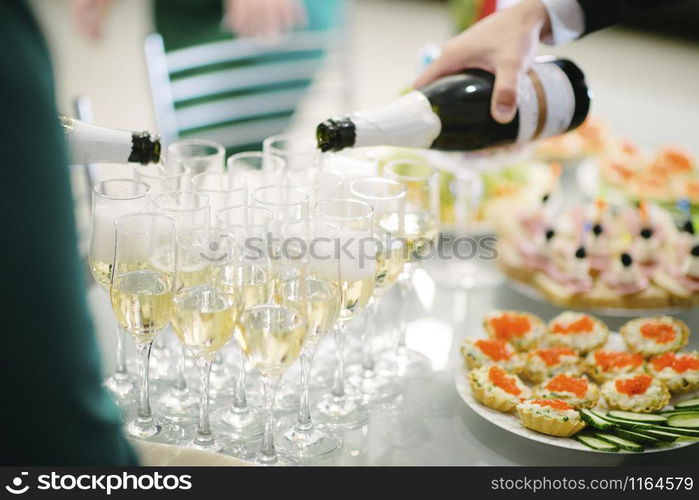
(496, 388)
(554, 417)
(480, 352)
(577, 391)
(523, 330)
(578, 331)
(606, 364)
(639, 392)
(655, 335)
(678, 370)
(547, 362)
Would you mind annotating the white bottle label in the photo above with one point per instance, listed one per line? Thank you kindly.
(90, 143)
(546, 102)
(408, 121)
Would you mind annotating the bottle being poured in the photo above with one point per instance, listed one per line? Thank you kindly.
(453, 113)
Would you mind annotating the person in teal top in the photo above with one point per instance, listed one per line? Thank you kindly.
(54, 409)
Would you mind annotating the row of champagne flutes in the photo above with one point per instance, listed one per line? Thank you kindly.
(191, 262)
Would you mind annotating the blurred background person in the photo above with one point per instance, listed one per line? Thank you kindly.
(56, 411)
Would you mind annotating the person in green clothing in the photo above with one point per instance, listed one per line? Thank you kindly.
(54, 409)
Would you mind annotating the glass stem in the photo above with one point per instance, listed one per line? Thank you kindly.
(304, 423)
(240, 403)
(404, 291)
(144, 411)
(180, 382)
(267, 452)
(368, 335)
(338, 387)
(203, 429)
(121, 370)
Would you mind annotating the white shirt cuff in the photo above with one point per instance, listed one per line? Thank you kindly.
(567, 21)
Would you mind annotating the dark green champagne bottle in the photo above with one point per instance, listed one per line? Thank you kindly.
(453, 113)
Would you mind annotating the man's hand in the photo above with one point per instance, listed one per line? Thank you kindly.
(264, 18)
(89, 16)
(503, 43)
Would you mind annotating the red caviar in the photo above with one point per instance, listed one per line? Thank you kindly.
(660, 332)
(608, 360)
(635, 385)
(506, 382)
(556, 404)
(679, 364)
(497, 350)
(552, 356)
(582, 325)
(507, 326)
(566, 383)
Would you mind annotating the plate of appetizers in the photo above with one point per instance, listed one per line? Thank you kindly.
(571, 383)
(626, 174)
(602, 258)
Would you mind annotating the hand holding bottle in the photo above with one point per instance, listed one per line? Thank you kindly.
(504, 43)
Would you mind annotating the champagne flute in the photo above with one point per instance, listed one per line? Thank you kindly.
(286, 203)
(271, 336)
(357, 263)
(298, 153)
(421, 228)
(141, 296)
(256, 168)
(190, 211)
(319, 295)
(248, 225)
(198, 155)
(387, 198)
(223, 190)
(110, 200)
(205, 316)
(319, 184)
(352, 165)
(162, 177)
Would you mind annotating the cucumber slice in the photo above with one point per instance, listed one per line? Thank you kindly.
(624, 444)
(596, 444)
(669, 413)
(688, 404)
(692, 433)
(667, 437)
(595, 421)
(637, 437)
(647, 418)
(628, 424)
(686, 420)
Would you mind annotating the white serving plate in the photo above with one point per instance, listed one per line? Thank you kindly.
(510, 421)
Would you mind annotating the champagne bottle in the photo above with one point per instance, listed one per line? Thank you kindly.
(453, 113)
(93, 144)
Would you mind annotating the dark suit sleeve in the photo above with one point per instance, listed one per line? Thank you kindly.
(54, 409)
(602, 13)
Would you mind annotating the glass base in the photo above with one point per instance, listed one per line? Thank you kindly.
(372, 386)
(178, 406)
(151, 430)
(340, 413)
(404, 363)
(239, 425)
(206, 443)
(121, 385)
(306, 446)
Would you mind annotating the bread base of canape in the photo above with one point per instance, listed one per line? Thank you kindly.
(490, 399)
